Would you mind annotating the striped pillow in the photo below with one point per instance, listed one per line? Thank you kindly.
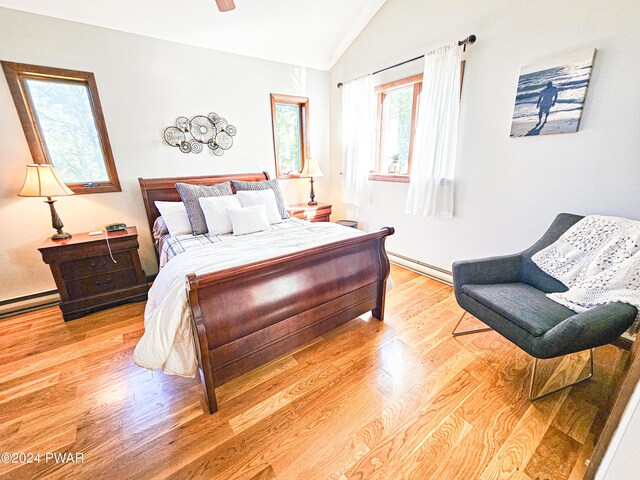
(265, 185)
(191, 193)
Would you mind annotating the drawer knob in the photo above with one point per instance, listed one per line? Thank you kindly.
(103, 282)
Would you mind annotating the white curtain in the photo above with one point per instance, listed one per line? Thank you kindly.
(433, 164)
(359, 138)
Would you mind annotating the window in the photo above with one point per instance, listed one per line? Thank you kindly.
(396, 125)
(290, 121)
(62, 119)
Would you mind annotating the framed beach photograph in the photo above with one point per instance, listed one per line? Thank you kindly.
(551, 96)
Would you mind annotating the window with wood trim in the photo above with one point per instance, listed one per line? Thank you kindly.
(64, 125)
(396, 126)
(290, 121)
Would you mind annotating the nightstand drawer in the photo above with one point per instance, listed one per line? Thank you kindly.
(320, 218)
(96, 285)
(89, 267)
(314, 213)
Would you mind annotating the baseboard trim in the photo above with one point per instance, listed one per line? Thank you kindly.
(423, 268)
(35, 301)
(28, 303)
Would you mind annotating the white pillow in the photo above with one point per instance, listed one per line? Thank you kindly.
(216, 215)
(249, 219)
(175, 216)
(250, 198)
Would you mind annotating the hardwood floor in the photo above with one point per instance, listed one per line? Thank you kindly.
(370, 400)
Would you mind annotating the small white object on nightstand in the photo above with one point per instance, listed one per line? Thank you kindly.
(97, 232)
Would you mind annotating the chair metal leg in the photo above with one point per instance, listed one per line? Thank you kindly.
(467, 332)
(533, 378)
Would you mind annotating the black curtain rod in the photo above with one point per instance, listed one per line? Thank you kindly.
(470, 40)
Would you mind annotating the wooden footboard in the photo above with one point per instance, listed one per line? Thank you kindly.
(248, 315)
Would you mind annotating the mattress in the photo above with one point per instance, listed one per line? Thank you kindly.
(167, 342)
(170, 246)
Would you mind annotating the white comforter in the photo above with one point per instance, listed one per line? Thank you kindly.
(167, 342)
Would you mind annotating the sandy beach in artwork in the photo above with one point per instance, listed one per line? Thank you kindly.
(526, 128)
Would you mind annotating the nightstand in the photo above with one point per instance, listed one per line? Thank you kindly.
(87, 278)
(314, 213)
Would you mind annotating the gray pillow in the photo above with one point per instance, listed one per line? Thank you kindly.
(265, 185)
(190, 195)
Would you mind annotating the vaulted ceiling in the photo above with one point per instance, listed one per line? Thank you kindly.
(310, 33)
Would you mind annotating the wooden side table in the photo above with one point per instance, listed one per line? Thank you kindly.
(87, 278)
(314, 213)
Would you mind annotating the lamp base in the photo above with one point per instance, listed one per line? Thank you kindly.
(56, 222)
(61, 236)
(312, 194)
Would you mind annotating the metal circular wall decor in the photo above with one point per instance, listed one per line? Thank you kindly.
(185, 147)
(221, 124)
(196, 146)
(183, 123)
(174, 136)
(202, 129)
(191, 135)
(224, 140)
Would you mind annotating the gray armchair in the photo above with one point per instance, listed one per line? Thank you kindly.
(509, 294)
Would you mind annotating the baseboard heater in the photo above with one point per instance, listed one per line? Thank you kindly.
(27, 303)
(423, 268)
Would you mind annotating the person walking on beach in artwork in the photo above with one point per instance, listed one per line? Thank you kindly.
(547, 99)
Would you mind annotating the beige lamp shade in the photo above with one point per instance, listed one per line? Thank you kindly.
(311, 169)
(42, 181)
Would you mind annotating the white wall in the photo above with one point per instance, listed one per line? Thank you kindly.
(508, 190)
(144, 85)
(620, 461)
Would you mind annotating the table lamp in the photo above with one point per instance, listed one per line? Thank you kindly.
(42, 181)
(310, 170)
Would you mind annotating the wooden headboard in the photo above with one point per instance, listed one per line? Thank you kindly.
(164, 190)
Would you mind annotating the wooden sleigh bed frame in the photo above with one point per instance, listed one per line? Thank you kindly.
(248, 315)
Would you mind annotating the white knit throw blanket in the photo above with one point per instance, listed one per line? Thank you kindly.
(598, 259)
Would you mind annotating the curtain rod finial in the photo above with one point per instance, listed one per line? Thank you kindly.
(470, 40)
(340, 85)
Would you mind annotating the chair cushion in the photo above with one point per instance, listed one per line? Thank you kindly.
(523, 305)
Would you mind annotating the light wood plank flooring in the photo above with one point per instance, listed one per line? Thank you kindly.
(395, 400)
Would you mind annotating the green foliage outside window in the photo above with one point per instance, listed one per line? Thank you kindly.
(396, 128)
(67, 125)
(288, 137)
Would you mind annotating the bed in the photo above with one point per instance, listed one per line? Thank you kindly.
(245, 315)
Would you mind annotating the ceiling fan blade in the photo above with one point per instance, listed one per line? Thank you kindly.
(225, 5)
